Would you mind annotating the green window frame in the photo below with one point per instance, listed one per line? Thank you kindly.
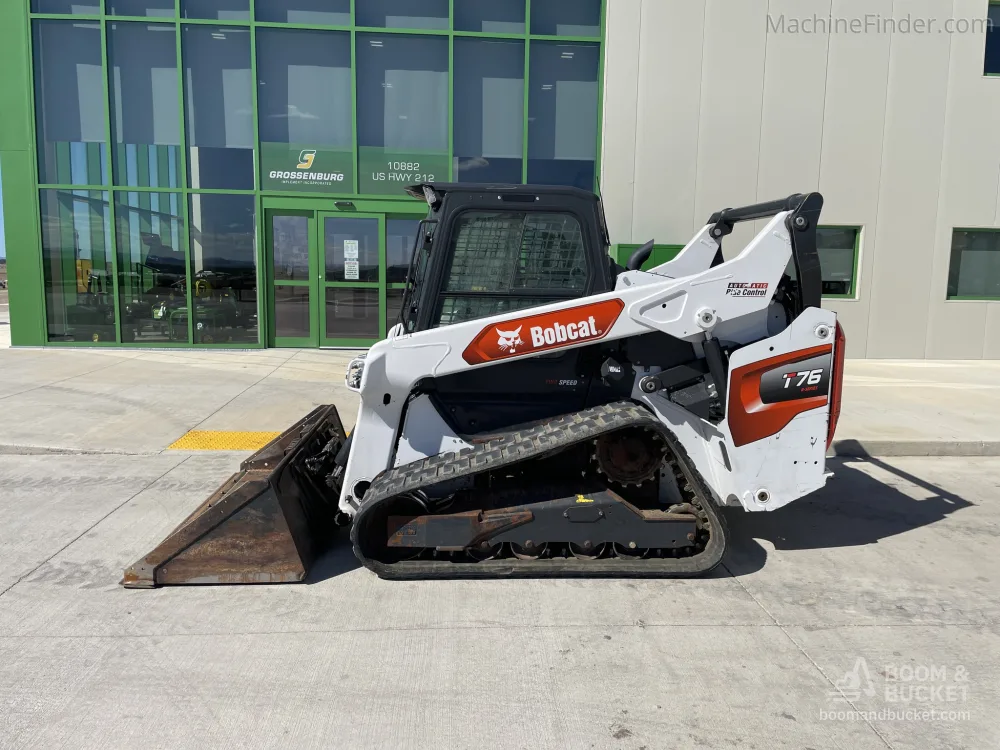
(104, 14)
(988, 273)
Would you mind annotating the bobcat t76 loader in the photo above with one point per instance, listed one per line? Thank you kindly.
(539, 410)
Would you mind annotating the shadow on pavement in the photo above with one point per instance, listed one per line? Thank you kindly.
(854, 509)
(339, 559)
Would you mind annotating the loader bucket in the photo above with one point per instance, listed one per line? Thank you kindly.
(266, 524)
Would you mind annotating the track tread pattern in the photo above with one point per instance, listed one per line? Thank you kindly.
(529, 443)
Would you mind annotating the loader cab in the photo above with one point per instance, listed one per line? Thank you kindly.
(491, 249)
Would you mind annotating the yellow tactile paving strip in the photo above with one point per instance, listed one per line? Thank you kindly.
(212, 440)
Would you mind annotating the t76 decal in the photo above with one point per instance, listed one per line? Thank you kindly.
(539, 333)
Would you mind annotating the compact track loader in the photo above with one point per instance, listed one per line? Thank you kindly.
(538, 410)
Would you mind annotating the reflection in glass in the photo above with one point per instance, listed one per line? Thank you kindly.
(402, 90)
(975, 265)
(69, 103)
(224, 268)
(66, 7)
(393, 307)
(354, 241)
(835, 246)
(402, 14)
(219, 105)
(352, 313)
(561, 18)
(76, 259)
(489, 110)
(152, 274)
(145, 115)
(490, 16)
(563, 114)
(152, 8)
(329, 12)
(290, 248)
(219, 10)
(305, 103)
(291, 312)
(992, 58)
(400, 237)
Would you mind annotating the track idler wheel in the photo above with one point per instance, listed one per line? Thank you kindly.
(528, 551)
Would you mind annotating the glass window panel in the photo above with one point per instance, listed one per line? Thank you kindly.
(145, 114)
(835, 246)
(362, 236)
(219, 10)
(563, 114)
(975, 264)
(152, 272)
(402, 14)
(400, 238)
(330, 12)
(490, 16)
(224, 268)
(291, 312)
(157, 8)
(69, 103)
(507, 252)
(402, 90)
(352, 313)
(290, 248)
(219, 104)
(75, 7)
(562, 18)
(304, 98)
(993, 41)
(76, 259)
(489, 110)
(393, 307)
(460, 309)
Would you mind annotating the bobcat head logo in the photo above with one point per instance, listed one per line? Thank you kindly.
(509, 340)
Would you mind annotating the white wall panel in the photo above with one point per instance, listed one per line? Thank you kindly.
(969, 178)
(621, 71)
(731, 95)
(911, 175)
(666, 158)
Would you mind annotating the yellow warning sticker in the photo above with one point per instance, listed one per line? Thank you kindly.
(212, 440)
(584, 499)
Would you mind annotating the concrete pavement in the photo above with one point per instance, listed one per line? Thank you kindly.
(895, 563)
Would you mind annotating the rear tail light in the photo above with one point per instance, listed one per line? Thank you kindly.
(837, 386)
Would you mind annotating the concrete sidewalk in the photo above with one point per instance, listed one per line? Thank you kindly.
(141, 401)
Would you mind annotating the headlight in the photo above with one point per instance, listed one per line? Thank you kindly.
(354, 372)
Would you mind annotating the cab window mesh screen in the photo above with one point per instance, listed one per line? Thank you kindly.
(506, 252)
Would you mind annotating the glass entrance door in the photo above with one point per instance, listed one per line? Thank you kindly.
(354, 272)
(336, 279)
(296, 279)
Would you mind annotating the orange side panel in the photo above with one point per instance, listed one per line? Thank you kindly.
(749, 418)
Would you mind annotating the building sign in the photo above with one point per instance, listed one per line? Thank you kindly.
(389, 172)
(302, 168)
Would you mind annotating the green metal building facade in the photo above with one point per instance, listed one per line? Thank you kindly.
(231, 172)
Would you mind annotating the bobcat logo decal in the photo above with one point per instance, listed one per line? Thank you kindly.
(509, 340)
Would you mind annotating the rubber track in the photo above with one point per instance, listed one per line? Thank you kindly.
(535, 442)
